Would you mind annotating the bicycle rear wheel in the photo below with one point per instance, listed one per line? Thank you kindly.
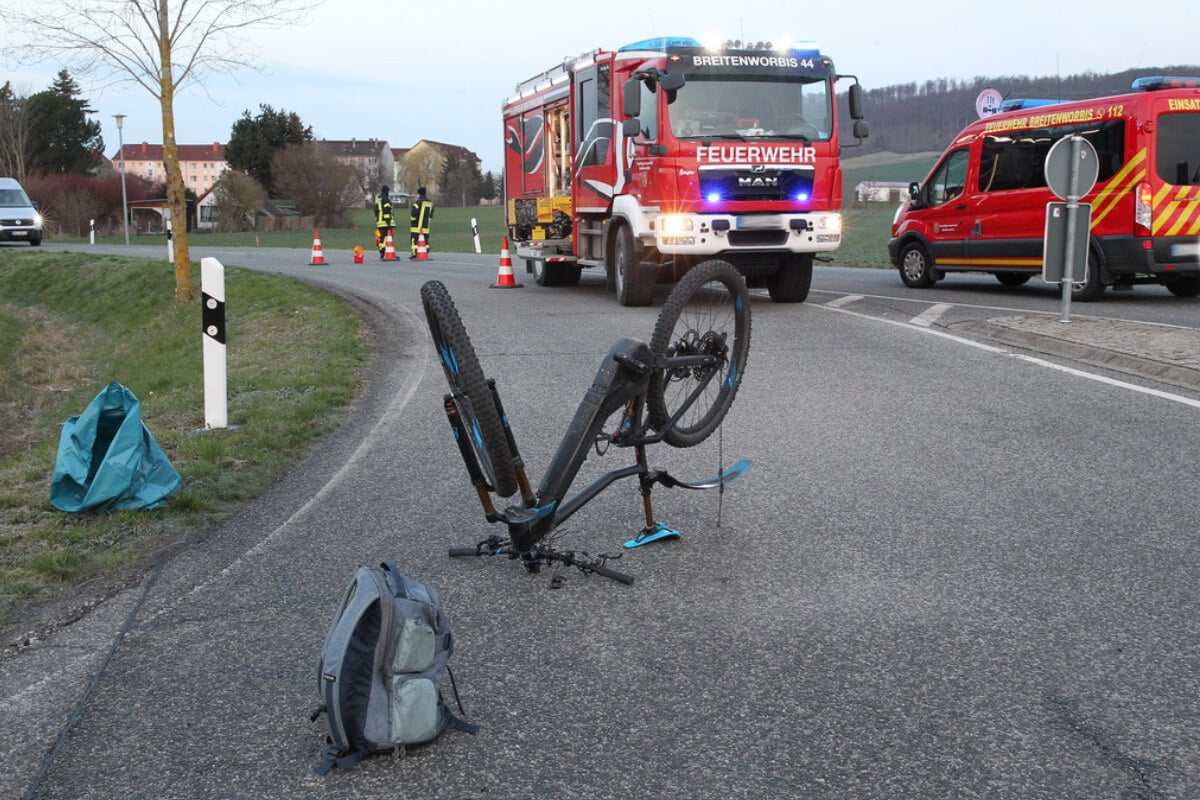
(706, 314)
(472, 397)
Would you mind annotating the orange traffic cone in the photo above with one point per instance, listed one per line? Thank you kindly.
(317, 257)
(505, 279)
(422, 250)
(389, 247)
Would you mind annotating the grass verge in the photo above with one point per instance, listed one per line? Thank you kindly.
(71, 323)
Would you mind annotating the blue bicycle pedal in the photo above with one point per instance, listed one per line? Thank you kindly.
(646, 537)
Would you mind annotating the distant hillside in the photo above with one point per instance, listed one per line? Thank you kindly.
(915, 118)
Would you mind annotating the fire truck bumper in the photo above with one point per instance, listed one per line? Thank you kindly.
(711, 234)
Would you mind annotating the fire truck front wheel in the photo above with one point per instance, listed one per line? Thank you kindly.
(790, 284)
(632, 280)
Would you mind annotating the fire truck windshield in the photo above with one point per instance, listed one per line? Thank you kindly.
(725, 108)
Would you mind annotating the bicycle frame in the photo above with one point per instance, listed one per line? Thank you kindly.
(621, 381)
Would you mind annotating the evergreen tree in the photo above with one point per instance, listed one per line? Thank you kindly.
(254, 141)
(62, 140)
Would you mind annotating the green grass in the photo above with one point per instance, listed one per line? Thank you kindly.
(451, 233)
(71, 323)
(868, 226)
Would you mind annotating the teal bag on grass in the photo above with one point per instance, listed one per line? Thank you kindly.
(108, 461)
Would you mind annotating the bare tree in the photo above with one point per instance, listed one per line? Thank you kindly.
(159, 45)
(239, 197)
(319, 184)
(422, 166)
(15, 126)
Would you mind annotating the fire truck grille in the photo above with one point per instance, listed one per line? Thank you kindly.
(721, 184)
(758, 238)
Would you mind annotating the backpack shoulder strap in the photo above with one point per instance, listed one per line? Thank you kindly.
(362, 592)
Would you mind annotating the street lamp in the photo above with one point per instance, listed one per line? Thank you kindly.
(120, 118)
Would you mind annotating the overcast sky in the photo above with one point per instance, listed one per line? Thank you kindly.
(405, 71)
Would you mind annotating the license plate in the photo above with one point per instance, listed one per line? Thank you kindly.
(757, 223)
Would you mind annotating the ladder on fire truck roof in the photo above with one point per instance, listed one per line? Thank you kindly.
(555, 74)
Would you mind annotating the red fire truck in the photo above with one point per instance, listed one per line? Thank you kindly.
(651, 158)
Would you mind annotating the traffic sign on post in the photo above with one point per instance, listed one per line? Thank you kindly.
(1071, 170)
(1055, 268)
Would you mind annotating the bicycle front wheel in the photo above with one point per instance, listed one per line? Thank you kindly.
(469, 388)
(707, 315)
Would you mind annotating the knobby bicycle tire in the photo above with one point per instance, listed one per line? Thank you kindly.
(708, 312)
(473, 398)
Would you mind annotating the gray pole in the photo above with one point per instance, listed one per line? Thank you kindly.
(1072, 214)
(120, 118)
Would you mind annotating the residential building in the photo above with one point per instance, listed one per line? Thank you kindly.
(422, 164)
(371, 157)
(201, 164)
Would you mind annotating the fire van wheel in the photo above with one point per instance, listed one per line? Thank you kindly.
(1092, 288)
(790, 284)
(1184, 287)
(916, 269)
(633, 283)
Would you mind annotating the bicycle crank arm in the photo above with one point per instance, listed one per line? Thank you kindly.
(726, 477)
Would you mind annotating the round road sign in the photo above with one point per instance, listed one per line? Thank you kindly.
(1072, 154)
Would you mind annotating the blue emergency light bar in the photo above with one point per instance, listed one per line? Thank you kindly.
(1157, 82)
(1017, 104)
(661, 43)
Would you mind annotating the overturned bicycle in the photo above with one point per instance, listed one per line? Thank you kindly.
(675, 389)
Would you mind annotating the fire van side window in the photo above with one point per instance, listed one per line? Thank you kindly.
(948, 182)
(1017, 160)
(1177, 160)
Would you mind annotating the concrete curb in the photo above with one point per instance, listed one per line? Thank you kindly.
(1116, 348)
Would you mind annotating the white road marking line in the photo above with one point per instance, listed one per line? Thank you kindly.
(844, 300)
(930, 315)
(419, 352)
(1170, 396)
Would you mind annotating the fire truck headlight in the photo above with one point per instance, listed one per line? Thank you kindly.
(673, 225)
(831, 223)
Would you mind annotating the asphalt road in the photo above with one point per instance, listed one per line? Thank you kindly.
(952, 572)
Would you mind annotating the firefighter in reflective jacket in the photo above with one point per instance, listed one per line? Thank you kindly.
(384, 221)
(422, 214)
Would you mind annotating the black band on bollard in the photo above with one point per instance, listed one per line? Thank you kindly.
(213, 318)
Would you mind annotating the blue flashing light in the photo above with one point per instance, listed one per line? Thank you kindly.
(713, 197)
(802, 197)
(1154, 83)
(806, 47)
(1018, 104)
(661, 43)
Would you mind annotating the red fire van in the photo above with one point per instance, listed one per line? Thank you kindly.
(983, 207)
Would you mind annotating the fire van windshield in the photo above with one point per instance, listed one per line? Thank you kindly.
(718, 108)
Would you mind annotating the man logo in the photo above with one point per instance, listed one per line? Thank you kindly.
(758, 182)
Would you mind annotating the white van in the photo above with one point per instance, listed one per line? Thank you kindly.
(19, 217)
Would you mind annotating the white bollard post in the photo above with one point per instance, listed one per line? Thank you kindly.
(212, 290)
(475, 231)
(92, 231)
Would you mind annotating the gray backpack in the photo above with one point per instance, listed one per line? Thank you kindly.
(380, 672)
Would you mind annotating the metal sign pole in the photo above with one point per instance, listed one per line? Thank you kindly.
(1072, 219)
